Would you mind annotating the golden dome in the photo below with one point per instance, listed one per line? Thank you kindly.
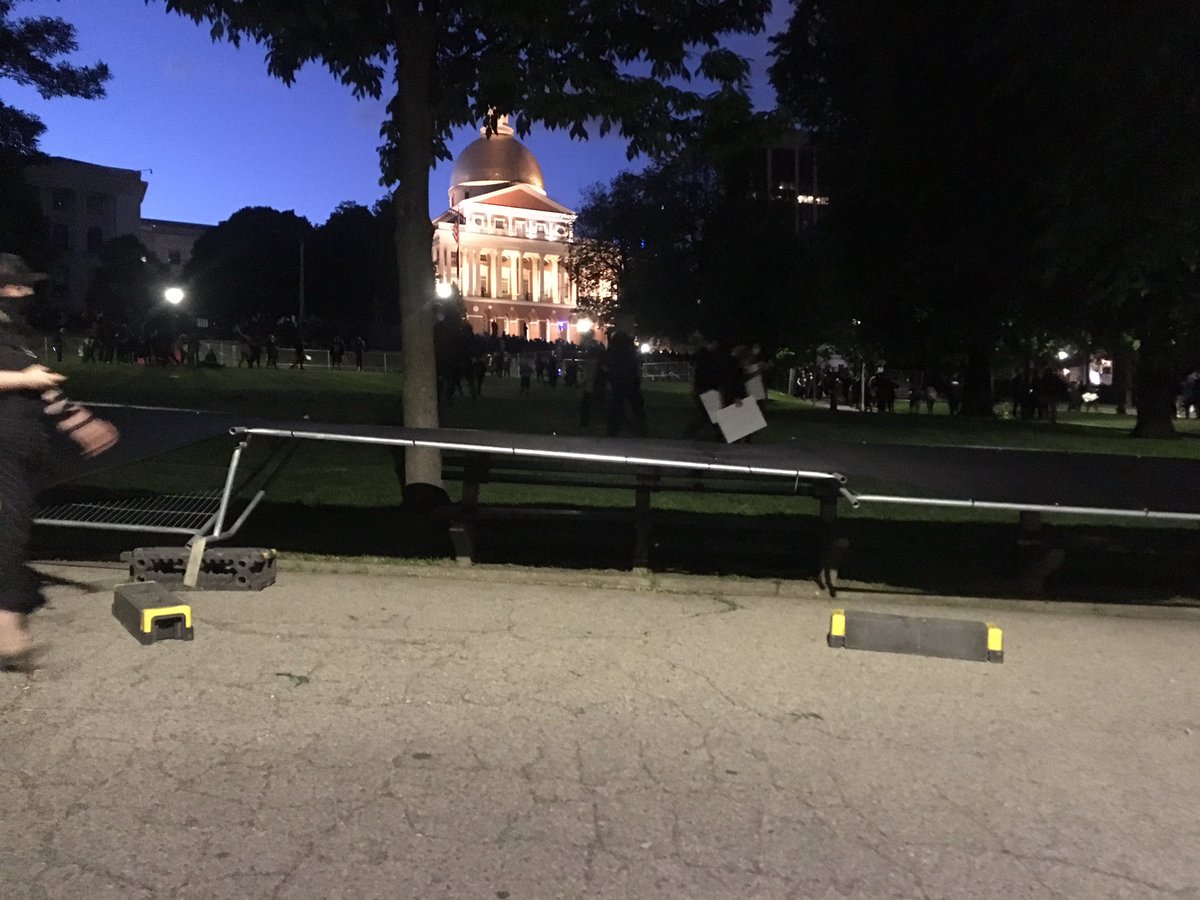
(495, 160)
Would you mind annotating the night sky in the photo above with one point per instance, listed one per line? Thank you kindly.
(219, 134)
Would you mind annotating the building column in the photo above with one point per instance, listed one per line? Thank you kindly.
(538, 262)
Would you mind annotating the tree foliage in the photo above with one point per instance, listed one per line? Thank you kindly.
(699, 249)
(128, 283)
(597, 268)
(350, 265)
(651, 224)
(591, 66)
(926, 168)
(248, 266)
(30, 51)
(999, 172)
(23, 228)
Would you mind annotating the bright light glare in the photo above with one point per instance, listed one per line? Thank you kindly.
(646, 348)
(1063, 354)
(173, 295)
(444, 291)
(584, 325)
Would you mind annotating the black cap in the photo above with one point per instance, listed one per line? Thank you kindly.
(16, 279)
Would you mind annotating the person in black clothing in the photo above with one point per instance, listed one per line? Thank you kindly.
(623, 373)
(298, 349)
(360, 348)
(29, 400)
(272, 352)
(714, 371)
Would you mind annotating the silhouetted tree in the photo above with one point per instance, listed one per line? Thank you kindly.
(926, 165)
(999, 172)
(248, 266)
(23, 228)
(652, 222)
(129, 281)
(596, 266)
(351, 270)
(30, 48)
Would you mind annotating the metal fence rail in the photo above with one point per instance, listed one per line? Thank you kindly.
(1096, 511)
(189, 514)
(679, 370)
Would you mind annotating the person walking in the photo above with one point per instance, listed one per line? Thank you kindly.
(713, 370)
(29, 399)
(623, 373)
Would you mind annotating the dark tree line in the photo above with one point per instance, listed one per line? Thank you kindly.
(252, 266)
(1003, 171)
(697, 249)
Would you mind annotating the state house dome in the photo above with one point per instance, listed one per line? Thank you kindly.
(493, 161)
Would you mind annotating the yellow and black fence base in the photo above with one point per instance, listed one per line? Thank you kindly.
(945, 638)
(151, 613)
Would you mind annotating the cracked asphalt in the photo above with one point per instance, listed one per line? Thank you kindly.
(504, 733)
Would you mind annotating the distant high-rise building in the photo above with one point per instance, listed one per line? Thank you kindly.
(784, 170)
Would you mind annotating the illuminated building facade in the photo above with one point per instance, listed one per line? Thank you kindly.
(503, 242)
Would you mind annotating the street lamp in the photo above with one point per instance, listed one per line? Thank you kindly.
(444, 290)
(584, 325)
(173, 295)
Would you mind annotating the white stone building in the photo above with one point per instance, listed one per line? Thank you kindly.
(171, 241)
(85, 205)
(508, 252)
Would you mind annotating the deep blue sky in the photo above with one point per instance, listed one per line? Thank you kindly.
(219, 134)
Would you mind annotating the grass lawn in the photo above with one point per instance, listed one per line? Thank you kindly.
(348, 396)
(319, 474)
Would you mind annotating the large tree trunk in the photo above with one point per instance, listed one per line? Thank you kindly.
(1154, 382)
(413, 124)
(977, 382)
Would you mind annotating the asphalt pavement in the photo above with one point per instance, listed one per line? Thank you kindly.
(508, 733)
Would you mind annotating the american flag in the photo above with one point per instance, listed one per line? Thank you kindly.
(454, 229)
